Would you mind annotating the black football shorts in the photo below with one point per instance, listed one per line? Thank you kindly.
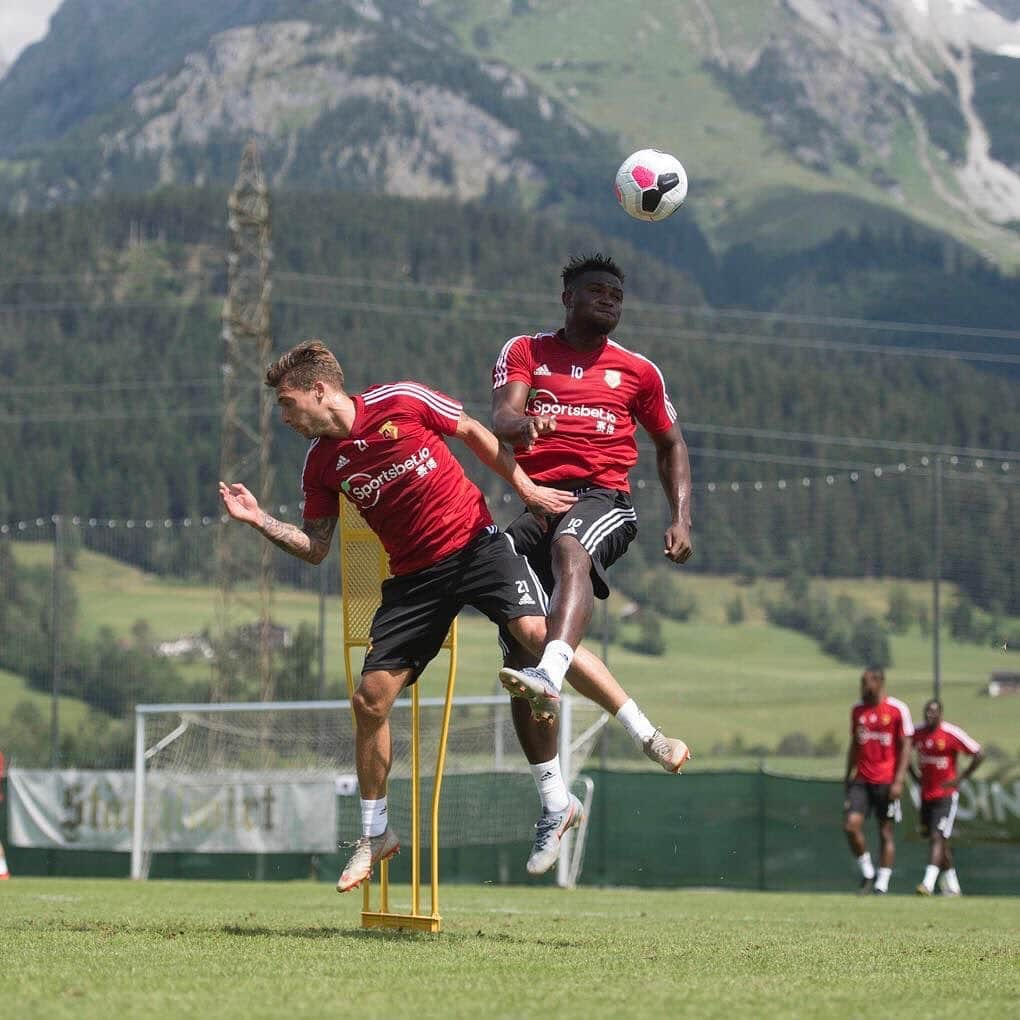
(939, 816)
(602, 520)
(416, 611)
(871, 798)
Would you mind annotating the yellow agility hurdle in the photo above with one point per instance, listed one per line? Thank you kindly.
(363, 566)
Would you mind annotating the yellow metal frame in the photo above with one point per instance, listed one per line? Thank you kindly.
(363, 567)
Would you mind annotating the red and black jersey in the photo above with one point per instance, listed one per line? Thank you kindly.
(937, 748)
(597, 397)
(879, 732)
(396, 468)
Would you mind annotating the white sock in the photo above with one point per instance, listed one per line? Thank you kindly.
(551, 787)
(635, 722)
(373, 817)
(556, 661)
(952, 882)
(867, 868)
(3, 861)
(931, 873)
(882, 879)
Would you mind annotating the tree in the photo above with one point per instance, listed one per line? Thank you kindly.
(961, 617)
(735, 610)
(869, 643)
(650, 640)
(901, 612)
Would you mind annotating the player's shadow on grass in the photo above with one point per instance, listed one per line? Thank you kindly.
(244, 931)
(389, 935)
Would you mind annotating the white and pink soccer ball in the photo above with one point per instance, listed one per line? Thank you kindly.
(651, 185)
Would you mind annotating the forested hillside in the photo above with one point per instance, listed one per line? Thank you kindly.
(110, 363)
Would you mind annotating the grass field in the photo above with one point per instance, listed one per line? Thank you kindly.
(95, 949)
(14, 690)
(717, 682)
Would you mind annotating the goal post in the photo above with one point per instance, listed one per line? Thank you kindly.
(195, 763)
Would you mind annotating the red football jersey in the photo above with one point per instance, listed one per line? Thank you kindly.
(396, 468)
(596, 397)
(878, 732)
(937, 748)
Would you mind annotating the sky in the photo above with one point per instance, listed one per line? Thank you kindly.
(22, 22)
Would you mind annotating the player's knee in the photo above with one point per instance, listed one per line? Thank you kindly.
(569, 556)
(851, 824)
(371, 703)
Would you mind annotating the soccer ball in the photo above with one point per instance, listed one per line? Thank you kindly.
(651, 185)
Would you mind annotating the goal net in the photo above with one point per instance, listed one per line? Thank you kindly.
(280, 777)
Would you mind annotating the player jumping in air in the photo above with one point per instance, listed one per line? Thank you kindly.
(937, 744)
(385, 451)
(876, 764)
(568, 402)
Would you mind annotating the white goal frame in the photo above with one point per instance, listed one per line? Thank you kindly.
(506, 759)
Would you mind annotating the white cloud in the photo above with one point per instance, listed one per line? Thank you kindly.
(23, 22)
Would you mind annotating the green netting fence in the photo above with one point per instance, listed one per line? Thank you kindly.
(739, 830)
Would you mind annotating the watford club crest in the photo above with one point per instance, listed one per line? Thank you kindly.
(388, 430)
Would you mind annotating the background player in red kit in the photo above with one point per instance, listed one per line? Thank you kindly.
(569, 402)
(876, 764)
(937, 744)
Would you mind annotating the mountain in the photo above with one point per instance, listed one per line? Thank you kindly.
(128, 94)
(796, 118)
(894, 107)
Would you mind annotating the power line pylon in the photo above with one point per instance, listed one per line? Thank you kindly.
(244, 568)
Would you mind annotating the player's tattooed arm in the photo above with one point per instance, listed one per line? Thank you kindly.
(309, 543)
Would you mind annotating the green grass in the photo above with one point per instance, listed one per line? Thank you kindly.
(13, 690)
(717, 681)
(86, 949)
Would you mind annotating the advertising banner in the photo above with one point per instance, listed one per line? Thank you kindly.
(989, 807)
(201, 813)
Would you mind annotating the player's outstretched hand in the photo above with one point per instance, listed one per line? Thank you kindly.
(240, 503)
(533, 427)
(678, 543)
